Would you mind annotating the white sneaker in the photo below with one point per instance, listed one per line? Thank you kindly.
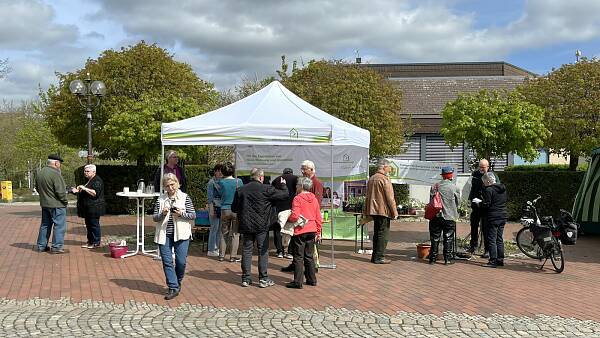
(213, 253)
(289, 256)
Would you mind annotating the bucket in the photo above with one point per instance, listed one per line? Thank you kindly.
(423, 250)
(116, 250)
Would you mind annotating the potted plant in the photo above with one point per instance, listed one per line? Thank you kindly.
(413, 205)
(423, 249)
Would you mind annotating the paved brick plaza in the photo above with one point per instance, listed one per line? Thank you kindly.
(413, 296)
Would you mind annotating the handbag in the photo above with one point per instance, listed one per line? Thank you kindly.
(435, 204)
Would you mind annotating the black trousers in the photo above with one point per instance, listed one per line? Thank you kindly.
(92, 225)
(437, 227)
(277, 237)
(304, 263)
(381, 233)
(495, 231)
(476, 219)
(262, 243)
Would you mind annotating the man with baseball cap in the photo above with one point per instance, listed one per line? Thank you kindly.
(446, 220)
(53, 200)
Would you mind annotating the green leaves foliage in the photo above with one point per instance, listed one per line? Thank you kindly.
(145, 87)
(571, 98)
(355, 94)
(494, 124)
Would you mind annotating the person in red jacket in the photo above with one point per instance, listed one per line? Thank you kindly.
(306, 212)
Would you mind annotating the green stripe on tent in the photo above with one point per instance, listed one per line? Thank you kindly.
(317, 139)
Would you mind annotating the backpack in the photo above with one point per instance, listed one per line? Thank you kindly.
(435, 204)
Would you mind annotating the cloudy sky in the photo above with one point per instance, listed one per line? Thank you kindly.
(226, 40)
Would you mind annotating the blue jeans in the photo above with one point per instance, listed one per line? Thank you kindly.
(92, 225)
(174, 271)
(214, 237)
(52, 217)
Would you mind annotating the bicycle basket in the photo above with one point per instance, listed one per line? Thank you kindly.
(543, 236)
(568, 233)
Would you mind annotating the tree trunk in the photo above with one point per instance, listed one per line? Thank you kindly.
(573, 162)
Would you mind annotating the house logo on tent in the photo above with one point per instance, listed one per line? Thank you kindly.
(346, 158)
(293, 133)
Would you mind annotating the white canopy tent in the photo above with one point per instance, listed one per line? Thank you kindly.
(274, 116)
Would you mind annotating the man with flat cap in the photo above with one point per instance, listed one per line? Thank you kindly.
(53, 200)
(445, 222)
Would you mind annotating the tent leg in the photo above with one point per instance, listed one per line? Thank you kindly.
(331, 218)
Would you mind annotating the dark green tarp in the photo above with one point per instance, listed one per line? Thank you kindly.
(587, 203)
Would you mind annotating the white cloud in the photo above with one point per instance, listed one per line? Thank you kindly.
(225, 40)
(28, 24)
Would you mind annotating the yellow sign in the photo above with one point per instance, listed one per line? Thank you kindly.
(6, 190)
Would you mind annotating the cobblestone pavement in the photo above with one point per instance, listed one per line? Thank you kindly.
(61, 318)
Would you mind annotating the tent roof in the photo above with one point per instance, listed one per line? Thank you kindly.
(274, 115)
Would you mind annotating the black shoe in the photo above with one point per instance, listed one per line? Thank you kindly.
(311, 283)
(172, 293)
(46, 249)
(58, 251)
(448, 261)
(490, 265)
(382, 261)
(289, 268)
(500, 263)
(293, 285)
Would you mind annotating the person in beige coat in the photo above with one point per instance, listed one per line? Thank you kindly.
(381, 206)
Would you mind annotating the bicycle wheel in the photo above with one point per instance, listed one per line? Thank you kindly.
(527, 244)
(556, 257)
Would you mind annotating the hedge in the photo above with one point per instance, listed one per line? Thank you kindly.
(557, 188)
(116, 177)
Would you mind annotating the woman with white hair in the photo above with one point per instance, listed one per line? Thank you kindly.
(91, 205)
(306, 212)
(495, 215)
(174, 214)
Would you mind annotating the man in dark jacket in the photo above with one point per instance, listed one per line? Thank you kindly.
(53, 200)
(253, 204)
(477, 194)
(495, 214)
(290, 181)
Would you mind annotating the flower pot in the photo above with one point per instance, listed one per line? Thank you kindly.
(412, 211)
(423, 250)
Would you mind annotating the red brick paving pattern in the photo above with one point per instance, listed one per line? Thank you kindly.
(405, 285)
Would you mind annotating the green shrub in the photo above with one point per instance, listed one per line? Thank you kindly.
(557, 188)
(538, 167)
(116, 177)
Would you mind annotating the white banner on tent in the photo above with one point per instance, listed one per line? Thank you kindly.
(415, 172)
(349, 162)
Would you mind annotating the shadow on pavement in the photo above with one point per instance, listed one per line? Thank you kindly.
(140, 285)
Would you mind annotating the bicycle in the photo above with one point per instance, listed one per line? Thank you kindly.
(540, 238)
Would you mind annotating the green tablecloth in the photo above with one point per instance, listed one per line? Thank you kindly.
(344, 226)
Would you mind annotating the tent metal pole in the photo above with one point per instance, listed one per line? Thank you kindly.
(331, 216)
(162, 166)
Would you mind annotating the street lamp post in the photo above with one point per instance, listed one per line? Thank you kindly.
(89, 94)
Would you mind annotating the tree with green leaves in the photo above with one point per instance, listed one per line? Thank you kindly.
(494, 124)
(4, 69)
(355, 94)
(570, 96)
(145, 87)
